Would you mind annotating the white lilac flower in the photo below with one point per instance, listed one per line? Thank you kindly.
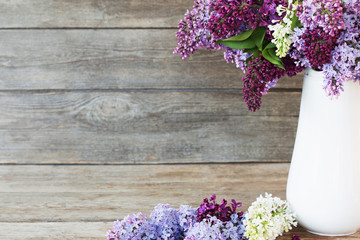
(283, 30)
(267, 218)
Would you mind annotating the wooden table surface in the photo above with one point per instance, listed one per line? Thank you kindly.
(82, 201)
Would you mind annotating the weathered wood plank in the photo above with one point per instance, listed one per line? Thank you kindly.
(54, 230)
(304, 235)
(110, 59)
(145, 127)
(81, 202)
(92, 13)
(106, 193)
(97, 230)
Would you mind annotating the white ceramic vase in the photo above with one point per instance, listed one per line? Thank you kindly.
(323, 186)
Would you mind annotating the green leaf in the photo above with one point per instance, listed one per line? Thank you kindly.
(272, 53)
(250, 50)
(270, 45)
(256, 54)
(247, 60)
(241, 37)
(295, 22)
(246, 44)
(271, 57)
(258, 36)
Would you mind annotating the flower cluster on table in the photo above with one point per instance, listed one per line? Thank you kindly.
(268, 39)
(267, 218)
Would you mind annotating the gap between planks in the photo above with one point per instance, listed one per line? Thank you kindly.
(89, 28)
(146, 90)
(149, 163)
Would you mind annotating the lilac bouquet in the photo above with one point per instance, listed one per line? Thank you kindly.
(209, 221)
(268, 39)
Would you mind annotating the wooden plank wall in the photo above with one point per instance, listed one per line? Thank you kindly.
(96, 111)
(96, 82)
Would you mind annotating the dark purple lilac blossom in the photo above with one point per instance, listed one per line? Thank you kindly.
(329, 40)
(215, 229)
(211, 221)
(210, 21)
(295, 237)
(325, 37)
(221, 211)
(317, 47)
(166, 223)
(217, 221)
(259, 72)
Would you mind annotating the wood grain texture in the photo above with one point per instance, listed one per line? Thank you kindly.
(111, 59)
(54, 230)
(95, 82)
(92, 13)
(145, 127)
(95, 231)
(81, 202)
(106, 193)
(304, 235)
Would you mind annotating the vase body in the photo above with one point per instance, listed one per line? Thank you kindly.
(323, 187)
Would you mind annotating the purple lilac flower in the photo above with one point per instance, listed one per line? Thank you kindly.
(210, 21)
(210, 209)
(324, 14)
(164, 223)
(205, 230)
(203, 26)
(345, 61)
(329, 41)
(236, 56)
(295, 237)
(317, 47)
(128, 227)
(261, 75)
(213, 228)
(322, 21)
(187, 217)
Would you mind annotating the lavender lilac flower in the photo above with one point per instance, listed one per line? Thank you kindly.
(329, 40)
(210, 21)
(164, 223)
(321, 34)
(211, 221)
(214, 228)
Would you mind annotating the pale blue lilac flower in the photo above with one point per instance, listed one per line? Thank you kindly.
(128, 227)
(166, 220)
(164, 223)
(236, 56)
(167, 223)
(205, 230)
(213, 228)
(187, 217)
(269, 85)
